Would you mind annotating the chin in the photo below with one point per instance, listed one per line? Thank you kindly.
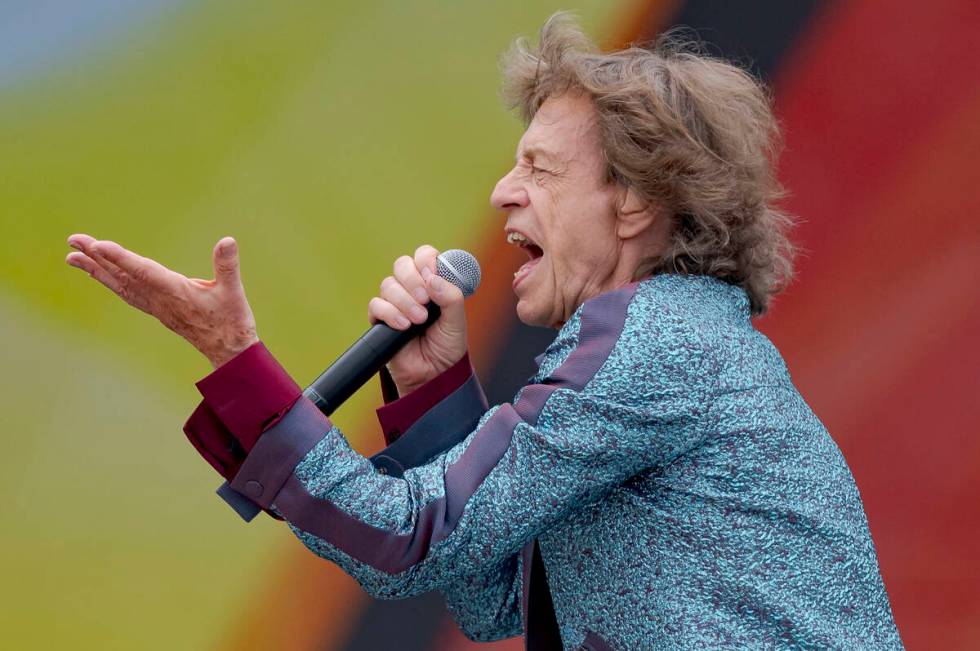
(524, 315)
(528, 315)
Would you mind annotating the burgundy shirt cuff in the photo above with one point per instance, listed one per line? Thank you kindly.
(214, 442)
(249, 393)
(399, 415)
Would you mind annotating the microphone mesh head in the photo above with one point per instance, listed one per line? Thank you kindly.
(460, 268)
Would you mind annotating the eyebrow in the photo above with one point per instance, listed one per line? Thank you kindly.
(536, 152)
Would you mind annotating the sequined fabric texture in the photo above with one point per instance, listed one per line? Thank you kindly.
(683, 497)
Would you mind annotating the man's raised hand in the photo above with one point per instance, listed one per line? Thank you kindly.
(213, 315)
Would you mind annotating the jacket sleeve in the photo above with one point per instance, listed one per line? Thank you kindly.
(420, 426)
(564, 443)
(487, 604)
(417, 427)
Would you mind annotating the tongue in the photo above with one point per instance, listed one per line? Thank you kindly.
(527, 265)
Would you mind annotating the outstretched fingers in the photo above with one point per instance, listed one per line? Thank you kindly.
(91, 267)
(137, 280)
(84, 243)
(142, 271)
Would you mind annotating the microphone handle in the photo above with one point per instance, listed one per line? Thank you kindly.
(361, 361)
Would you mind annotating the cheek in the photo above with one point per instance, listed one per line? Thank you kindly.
(586, 246)
(581, 239)
(573, 262)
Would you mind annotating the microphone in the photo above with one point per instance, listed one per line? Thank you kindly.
(378, 345)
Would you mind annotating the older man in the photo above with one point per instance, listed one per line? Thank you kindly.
(659, 483)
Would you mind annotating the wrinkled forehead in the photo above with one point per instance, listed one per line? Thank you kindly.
(564, 127)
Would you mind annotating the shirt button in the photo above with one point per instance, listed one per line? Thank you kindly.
(253, 488)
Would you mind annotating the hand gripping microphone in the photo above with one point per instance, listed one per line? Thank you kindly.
(379, 344)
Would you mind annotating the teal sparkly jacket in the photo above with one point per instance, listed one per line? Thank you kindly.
(658, 484)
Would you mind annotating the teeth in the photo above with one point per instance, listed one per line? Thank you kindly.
(515, 238)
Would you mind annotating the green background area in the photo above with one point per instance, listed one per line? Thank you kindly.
(328, 138)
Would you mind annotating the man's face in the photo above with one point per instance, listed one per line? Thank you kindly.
(557, 197)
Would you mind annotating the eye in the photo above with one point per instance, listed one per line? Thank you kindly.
(535, 171)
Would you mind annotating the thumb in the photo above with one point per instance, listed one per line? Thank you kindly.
(226, 262)
(449, 298)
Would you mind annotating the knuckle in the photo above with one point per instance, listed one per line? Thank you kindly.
(425, 254)
(378, 307)
(387, 283)
(403, 263)
(106, 250)
(425, 257)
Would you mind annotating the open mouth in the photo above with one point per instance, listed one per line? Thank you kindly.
(530, 247)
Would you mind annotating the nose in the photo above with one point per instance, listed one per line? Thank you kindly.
(509, 193)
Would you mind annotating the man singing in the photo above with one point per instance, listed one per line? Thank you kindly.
(659, 483)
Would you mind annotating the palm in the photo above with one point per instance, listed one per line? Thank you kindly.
(213, 315)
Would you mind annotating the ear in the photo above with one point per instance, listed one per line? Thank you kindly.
(635, 216)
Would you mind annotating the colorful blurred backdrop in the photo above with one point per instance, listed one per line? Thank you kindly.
(331, 137)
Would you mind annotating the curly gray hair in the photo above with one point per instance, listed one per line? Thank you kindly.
(691, 132)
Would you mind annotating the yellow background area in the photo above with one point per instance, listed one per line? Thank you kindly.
(328, 138)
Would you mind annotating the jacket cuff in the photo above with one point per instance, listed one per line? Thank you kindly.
(213, 441)
(273, 459)
(400, 414)
(443, 426)
(249, 392)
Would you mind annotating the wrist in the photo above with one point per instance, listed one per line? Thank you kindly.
(405, 388)
(400, 412)
(406, 385)
(227, 353)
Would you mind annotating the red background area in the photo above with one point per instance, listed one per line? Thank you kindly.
(881, 107)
